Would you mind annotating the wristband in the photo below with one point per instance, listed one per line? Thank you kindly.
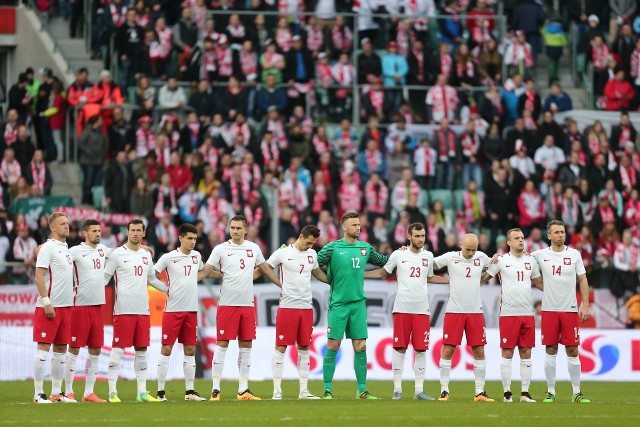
(46, 301)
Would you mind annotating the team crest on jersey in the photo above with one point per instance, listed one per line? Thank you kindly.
(527, 266)
(425, 262)
(100, 252)
(310, 258)
(145, 260)
(363, 252)
(195, 259)
(249, 253)
(567, 261)
(69, 259)
(476, 262)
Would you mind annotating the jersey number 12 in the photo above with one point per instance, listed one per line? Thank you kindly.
(355, 262)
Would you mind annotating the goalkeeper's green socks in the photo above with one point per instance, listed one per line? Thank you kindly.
(360, 366)
(329, 368)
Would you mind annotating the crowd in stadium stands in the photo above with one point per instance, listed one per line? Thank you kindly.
(234, 108)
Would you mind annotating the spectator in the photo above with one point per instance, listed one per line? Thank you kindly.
(170, 96)
(521, 162)
(394, 71)
(490, 63)
(166, 234)
(470, 145)
(530, 100)
(371, 161)
(555, 40)
(10, 171)
(19, 98)
(435, 235)
(145, 98)
(528, 18)
(9, 130)
(23, 148)
(464, 72)
(446, 143)
(341, 40)
(571, 173)
(118, 180)
(442, 101)
(596, 137)
(618, 93)
(530, 207)
(633, 311)
(236, 99)
(499, 201)
(623, 133)
(493, 147)
(418, 62)
(268, 97)
(599, 56)
(449, 25)
(349, 195)
(185, 37)
(120, 133)
(202, 100)
(147, 60)
(549, 157)
(141, 202)
(519, 56)
(621, 13)
(369, 63)
(511, 91)
(425, 159)
(91, 150)
(404, 189)
(343, 75)
(557, 100)
(128, 39)
(613, 196)
(38, 175)
(24, 251)
(586, 200)
(550, 127)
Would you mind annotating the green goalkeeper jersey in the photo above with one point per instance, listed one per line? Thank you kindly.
(345, 269)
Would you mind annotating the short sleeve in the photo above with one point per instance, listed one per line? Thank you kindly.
(112, 264)
(152, 271)
(325, 253)
(161, 265)
(580, 270)
(44, 256)
(274, 260)
(391, 263)
(214, 258)
(535, 270)
(107, 252)
(375, 258)
(74, 253)
(430, 272)
(442, 261)
(200, 263)
(486, 261)
(259, 255)
(494, 269)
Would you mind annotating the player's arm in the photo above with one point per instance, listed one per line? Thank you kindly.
(380, 273)
(257, 273)
(42, 290)
(320, 275)
(208, 271)
(153, 280)
(324, 256)
(538, 283)
(439, 280)
(266, 269)
(389, 266)
(376, 258)
(494, 268)
(584, 293)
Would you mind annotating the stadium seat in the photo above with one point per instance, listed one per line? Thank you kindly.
(458, 196)
(444, 196)
(97, 192)
(424, 197)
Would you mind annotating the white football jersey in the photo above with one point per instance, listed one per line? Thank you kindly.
(295, 275)
(182, 279)
(515, 278)
(413, 270)
(88, 270)
(559, 274)
(464, 280)
(236, 262)
(58, 280)
(131, 271)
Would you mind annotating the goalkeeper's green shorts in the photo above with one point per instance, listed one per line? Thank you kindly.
(348, 319)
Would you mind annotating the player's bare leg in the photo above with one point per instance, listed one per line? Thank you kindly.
(244, 364)
(217, 366)
(57, 374)
(397, 364)
(550, 372)
(480, 373)
(329, 366)
(574, 367)
(91, 372)
(39, 362)
(360, 367)
(525, 374)
(445, 370)
(277, 366)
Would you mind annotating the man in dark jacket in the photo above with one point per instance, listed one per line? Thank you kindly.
(127, 41)
(185, 37)
(117, 184)
(270, 96)
(91, 150)
(202, 101)
(499, 202)
(622, 133)
(299, 69)
(529, 17)
(369, 63)
(120, 134)
(550, 127)
(519, 132)
(19, 99)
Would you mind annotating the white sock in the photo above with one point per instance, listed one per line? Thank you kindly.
(397, 364)
(57, 372)
(217, 366)
(69, 372)
(550, 372)
(445, 373)
(419, 369)
(505, 374)
(244, 365)
(91, 371)
(525, 374)
(114, 368)
(480, 372)
(189, 369)
(303, 369)
(140, 366)
(574, 373)
(277, 366)
(39, 362)
(163, 370)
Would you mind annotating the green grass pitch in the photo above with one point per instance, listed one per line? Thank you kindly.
(614, 405)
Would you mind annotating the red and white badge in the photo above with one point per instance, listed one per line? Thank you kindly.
(527, 266)
(567, 261)
(194, 259)
(101, 252)
(249, 253)
(363, 252)
(425, 262)
(145, 260)
(310, 258)
(476, 262)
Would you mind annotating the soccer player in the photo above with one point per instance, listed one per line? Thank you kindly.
(294, 322)
(132, 267)
(236, 317)
(345, 260)
(87, 328)
(52, 319)
(561, 316)
(411, 313)
(518, 271)
(180, 318)
(464, 312)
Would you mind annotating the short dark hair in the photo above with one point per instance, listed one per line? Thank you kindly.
(552, 223)
(349, 215)
(135, 221)
(415, 226)
(187, 228)
(89, 223)
(514, 230)
(239, 218)
(310, 230)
